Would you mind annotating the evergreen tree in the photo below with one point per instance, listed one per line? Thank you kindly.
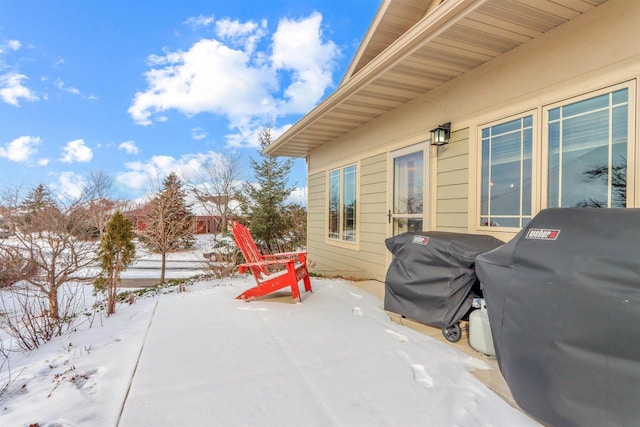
(264, 200)
(38, 199)
(115, 254)
(37, 207)
(169, 222)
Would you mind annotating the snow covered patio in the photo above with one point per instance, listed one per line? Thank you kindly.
(336, 359)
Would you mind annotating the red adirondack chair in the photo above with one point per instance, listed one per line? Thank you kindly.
(293, 267)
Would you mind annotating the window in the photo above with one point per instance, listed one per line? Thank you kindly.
(587, 155)
(581, 158)
(342, 204)
(506, 167)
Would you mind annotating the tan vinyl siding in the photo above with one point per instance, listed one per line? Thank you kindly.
(453, 184)
(367, 259)
(316, 209)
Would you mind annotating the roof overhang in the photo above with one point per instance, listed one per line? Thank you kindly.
(452, 39)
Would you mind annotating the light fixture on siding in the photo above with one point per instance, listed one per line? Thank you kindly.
(441, 134)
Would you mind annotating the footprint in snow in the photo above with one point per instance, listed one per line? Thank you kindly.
(419, 373)
(397, 336)
(420, 376)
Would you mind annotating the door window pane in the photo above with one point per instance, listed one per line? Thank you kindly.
(404, 225)
(587, 152)
(409, 184)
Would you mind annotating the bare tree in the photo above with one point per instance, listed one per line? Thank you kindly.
(25, 309)
(169, 223)
(13, 267)
(51, 244)
(298, 219)
(217, 187)
(98, 185)
(96, 203)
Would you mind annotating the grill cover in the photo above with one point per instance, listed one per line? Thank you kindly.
(564, 305)
(432, 274)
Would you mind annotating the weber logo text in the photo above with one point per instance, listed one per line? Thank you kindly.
(420, 240)
(542, 234)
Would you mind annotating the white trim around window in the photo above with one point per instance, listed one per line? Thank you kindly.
(578, 152)
(589, 150)
(507, 177)
(342, 214)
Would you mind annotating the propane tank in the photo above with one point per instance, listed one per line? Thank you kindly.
(480, 330)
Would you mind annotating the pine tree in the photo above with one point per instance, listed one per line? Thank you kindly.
(169, 222)
(38, 199)
(36, 207)
(264, 204)
(115, 254)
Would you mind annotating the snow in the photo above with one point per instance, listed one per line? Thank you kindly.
(201, 357)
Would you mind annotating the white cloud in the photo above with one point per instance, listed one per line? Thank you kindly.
(209, 77)
(141, 175)
(60, 85)
(20, 149)
(73, 90)
(43, 162)
(311, 71)
(14, 45)
(129, 147)
(10, 45)
(198, 133)
(69, 185)
(247, 134)
(12, 89)
(76, 151)
(231, 77)
(199, 21)
(242, 34)
(298, 196)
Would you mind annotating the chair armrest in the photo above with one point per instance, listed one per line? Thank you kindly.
(244, 267)
(302, 256)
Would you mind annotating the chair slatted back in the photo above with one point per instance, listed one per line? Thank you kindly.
(251, 253)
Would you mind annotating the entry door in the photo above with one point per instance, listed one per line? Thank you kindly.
(409, 190)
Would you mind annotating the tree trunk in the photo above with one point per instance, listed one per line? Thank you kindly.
(113, 288)
(54, 312)
(164, 263)
(111, 298)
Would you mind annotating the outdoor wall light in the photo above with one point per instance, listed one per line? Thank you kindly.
(441, 134)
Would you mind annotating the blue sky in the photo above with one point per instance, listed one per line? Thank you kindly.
(141, 88)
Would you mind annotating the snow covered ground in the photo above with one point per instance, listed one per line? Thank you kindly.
(202, 358)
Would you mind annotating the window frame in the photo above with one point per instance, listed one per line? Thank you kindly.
(534, 172)
(540, 153)
(632, 162)
(340, 239)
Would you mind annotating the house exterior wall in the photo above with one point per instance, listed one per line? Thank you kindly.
(365, 259)
(594, 51)
(452, 184)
